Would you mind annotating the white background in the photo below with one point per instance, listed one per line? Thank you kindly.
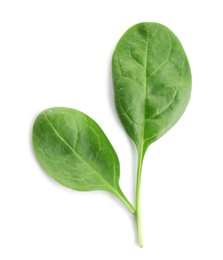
(58, 53)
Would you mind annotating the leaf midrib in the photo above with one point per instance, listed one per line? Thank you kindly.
(146, 93)
(79, 156)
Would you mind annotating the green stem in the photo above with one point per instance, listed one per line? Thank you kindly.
(138, 212)
(123, 198)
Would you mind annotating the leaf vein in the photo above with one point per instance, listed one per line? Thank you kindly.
(134, 58)
(80, 157)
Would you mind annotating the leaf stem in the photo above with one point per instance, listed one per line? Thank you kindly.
(127, 203)
(138, 184)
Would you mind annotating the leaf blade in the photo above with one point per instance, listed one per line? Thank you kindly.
(150, 74)
(73, 149)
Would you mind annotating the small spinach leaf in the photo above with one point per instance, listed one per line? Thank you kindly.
(152, 86)
(73, 149)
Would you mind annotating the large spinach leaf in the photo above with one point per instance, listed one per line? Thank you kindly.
(152, 86)
(73, 149)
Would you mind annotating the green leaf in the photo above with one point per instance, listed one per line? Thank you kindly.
(152, 87)
(152, 81)
(73, 149)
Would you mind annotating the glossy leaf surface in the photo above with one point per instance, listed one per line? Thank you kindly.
(152, 81)
(73, 149)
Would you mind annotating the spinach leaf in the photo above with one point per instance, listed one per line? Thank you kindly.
(152, 86)
(73, 149)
